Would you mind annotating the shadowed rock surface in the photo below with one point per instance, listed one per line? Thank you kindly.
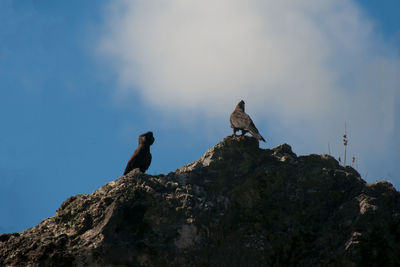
(238, 205)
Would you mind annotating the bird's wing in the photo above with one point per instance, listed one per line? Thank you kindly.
(252, 128)
(240, 120)
(147, 162)
(133, 162)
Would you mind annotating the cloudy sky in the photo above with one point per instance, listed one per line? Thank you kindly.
(80, 80)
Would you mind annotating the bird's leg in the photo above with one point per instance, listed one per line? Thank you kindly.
(234, 132)
(243, 133)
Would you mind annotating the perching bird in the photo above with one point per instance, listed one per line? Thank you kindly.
(141, 158)
(241, 121)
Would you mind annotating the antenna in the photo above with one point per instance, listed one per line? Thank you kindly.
(329, 149)
(345, 144)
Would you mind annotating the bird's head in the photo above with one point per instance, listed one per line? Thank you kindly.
(146, 138)
(240, 105)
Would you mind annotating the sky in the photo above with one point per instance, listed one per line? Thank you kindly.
(80, 81)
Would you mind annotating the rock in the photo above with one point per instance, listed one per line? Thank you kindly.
(238, 205)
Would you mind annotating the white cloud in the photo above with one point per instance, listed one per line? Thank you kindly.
(306, 65)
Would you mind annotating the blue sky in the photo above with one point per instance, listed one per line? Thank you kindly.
(75, 92)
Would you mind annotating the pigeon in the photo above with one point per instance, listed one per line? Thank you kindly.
(241, 121)
(141, 158)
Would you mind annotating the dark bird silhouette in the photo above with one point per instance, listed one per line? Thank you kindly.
(241, 121)
(141, 158)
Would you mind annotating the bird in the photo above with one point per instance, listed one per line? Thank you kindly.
(141, 158)
(241, 121)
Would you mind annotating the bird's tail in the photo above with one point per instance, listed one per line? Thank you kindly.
(254, 132)
(259, 137)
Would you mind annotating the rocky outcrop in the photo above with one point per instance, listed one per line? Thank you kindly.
(238, 205)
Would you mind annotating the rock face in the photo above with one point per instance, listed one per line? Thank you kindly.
(238, 205)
